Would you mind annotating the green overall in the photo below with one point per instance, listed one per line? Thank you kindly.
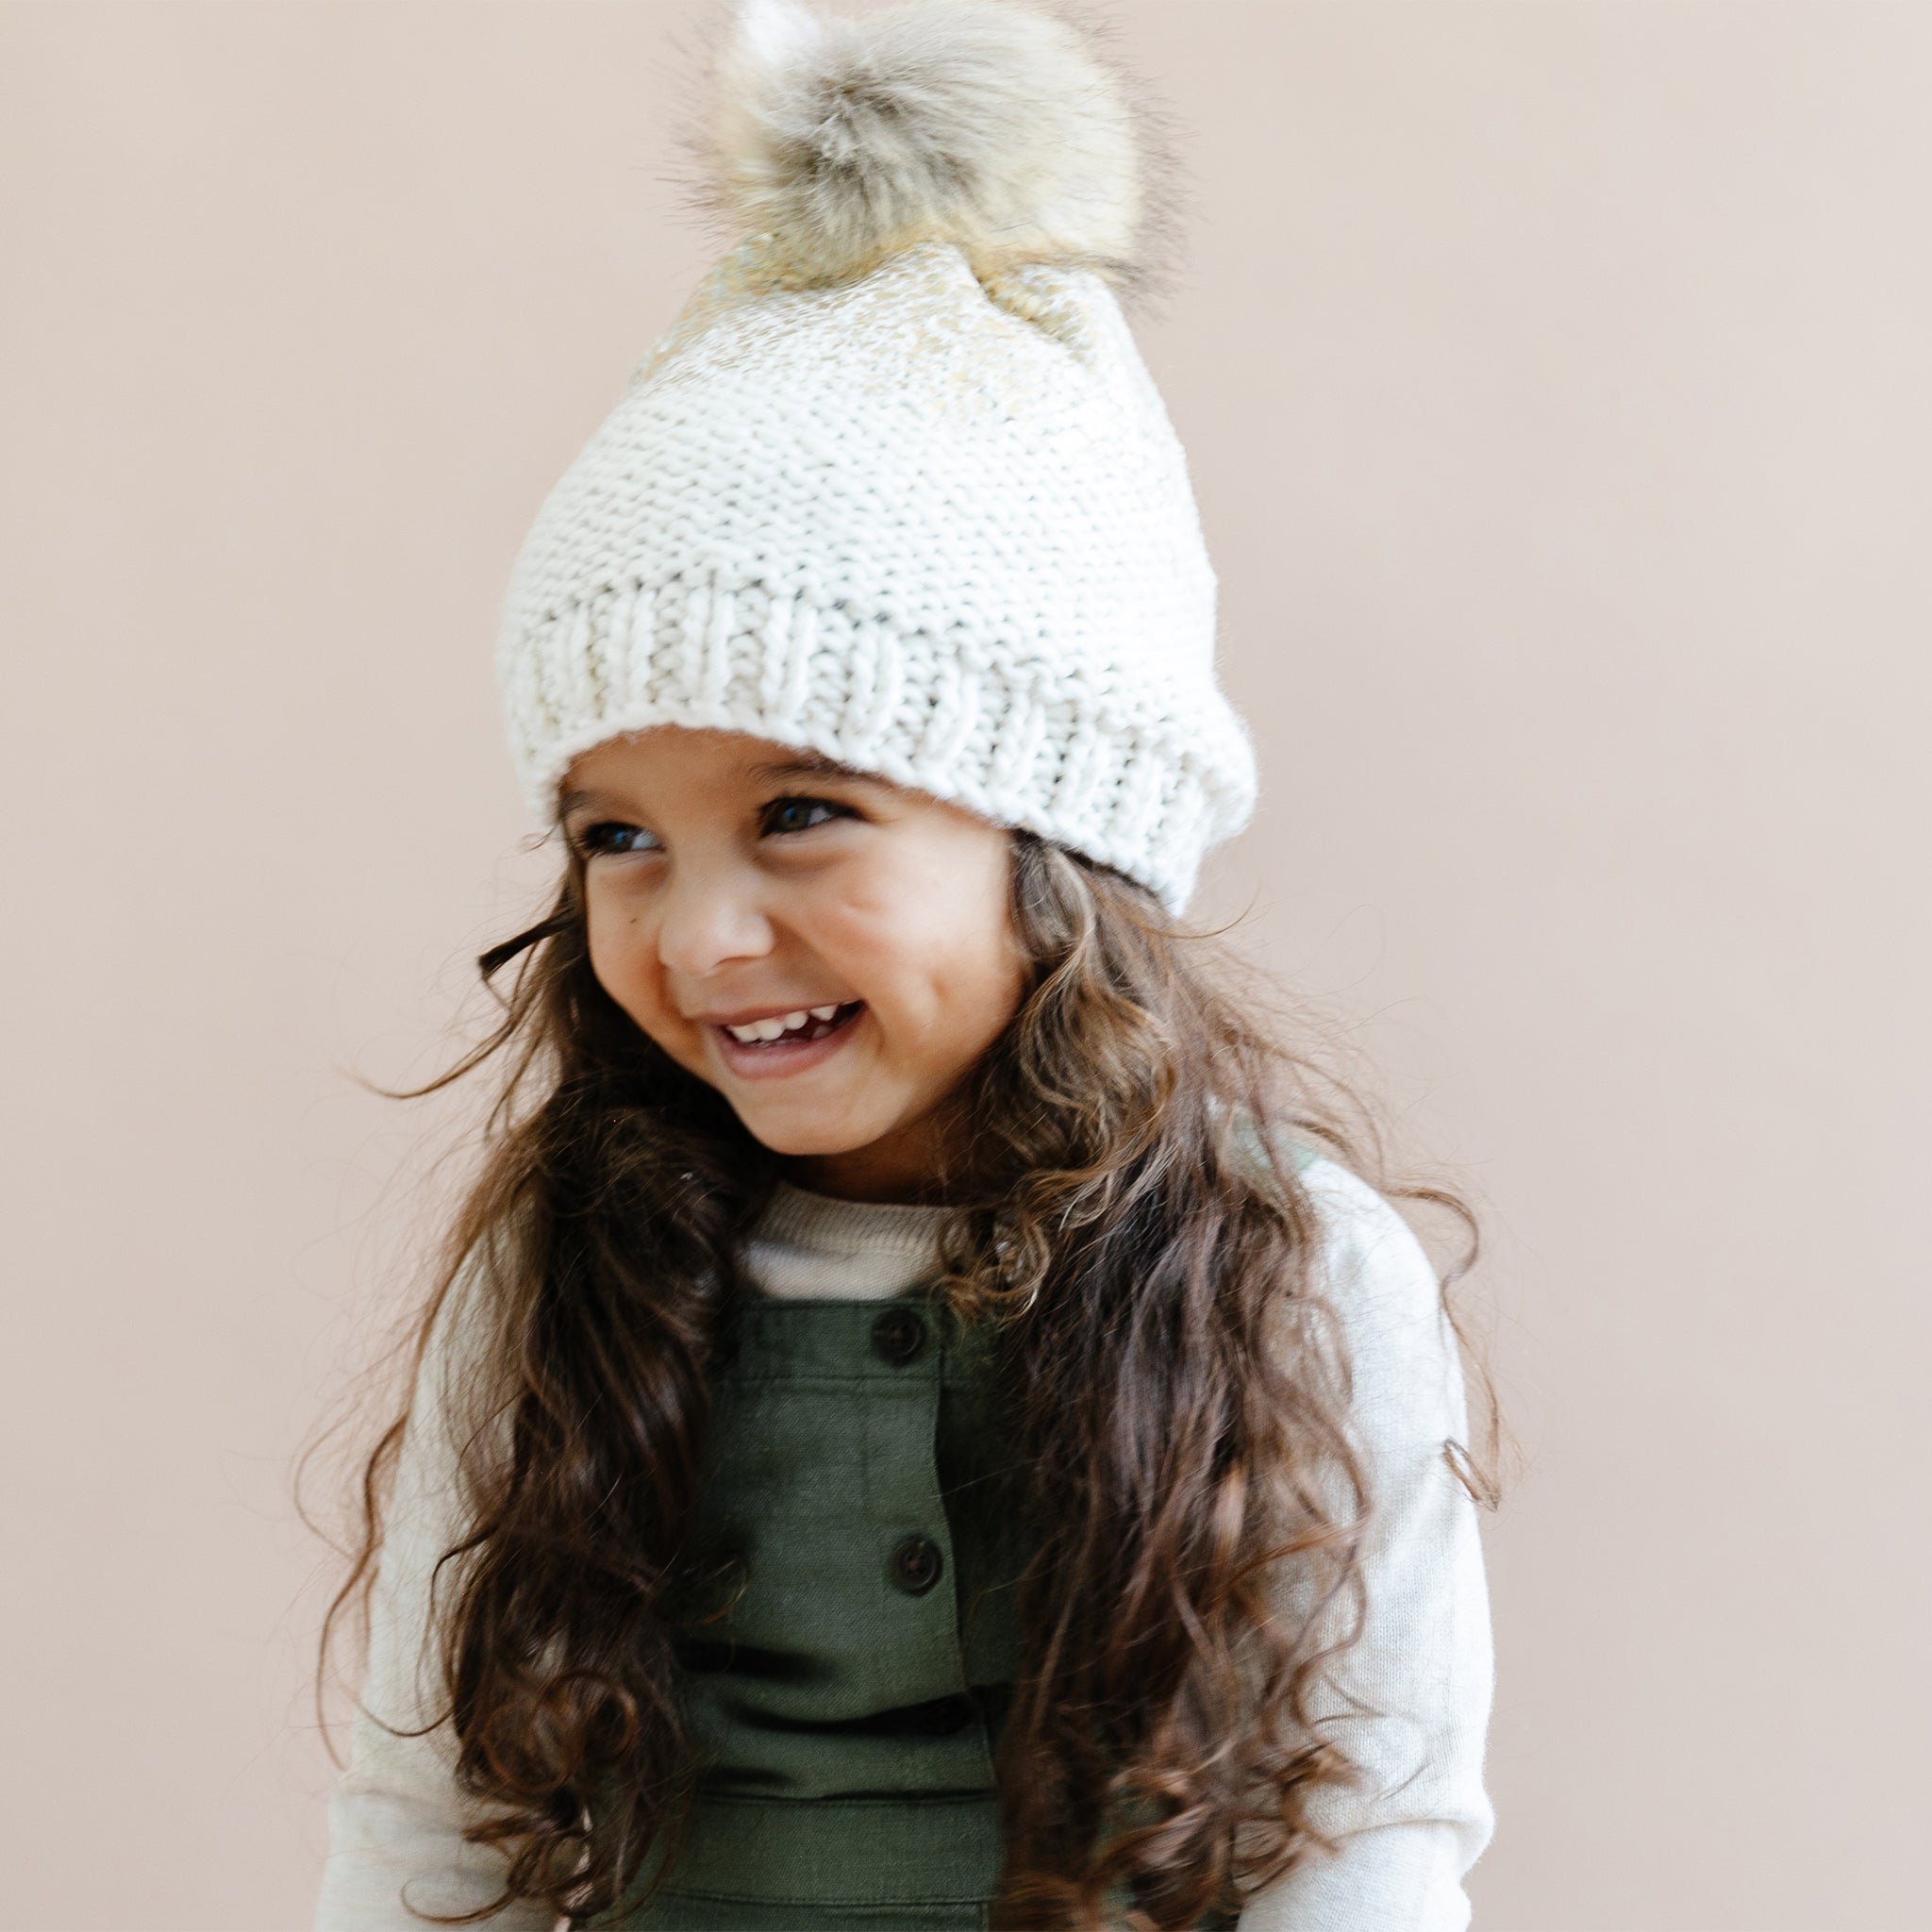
(849, 1636)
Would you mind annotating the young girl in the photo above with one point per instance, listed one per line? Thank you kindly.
(915, 1431)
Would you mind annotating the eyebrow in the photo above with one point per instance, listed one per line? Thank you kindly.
(568, 802)
(808, 764)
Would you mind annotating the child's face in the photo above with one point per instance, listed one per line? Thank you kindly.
(732, 883)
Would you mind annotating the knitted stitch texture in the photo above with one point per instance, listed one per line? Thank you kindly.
(931, 522)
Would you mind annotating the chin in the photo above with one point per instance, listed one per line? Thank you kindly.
(799, 1138)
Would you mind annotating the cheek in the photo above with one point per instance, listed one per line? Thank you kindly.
(622, 956)
(941, 959)
(606, 930)
(985, 975)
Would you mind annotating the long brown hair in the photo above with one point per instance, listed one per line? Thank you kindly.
(1125, 1213)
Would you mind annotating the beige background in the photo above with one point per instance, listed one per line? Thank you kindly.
(1555, 380)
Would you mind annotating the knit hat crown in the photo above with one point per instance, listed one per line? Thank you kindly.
(896, 486)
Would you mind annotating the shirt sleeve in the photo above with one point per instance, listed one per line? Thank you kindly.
(397, 1814)
(1426, 1659)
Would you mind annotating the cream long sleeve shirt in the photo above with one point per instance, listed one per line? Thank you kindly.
(1424, 1662)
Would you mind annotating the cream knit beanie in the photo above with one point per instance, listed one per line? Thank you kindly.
(896, 487)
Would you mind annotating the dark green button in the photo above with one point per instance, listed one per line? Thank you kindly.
(944, 1717)
(898, 1335)
(916, 1564)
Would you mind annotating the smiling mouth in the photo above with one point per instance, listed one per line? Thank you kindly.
(795, 1028)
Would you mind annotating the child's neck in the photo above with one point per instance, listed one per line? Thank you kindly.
(903, 1168)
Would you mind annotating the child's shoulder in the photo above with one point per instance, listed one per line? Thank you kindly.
(1384, 1290)
(1353, 1213)
(1364, 1233)
(1359, 1224)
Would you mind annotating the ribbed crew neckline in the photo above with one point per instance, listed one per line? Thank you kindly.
(826, 1226)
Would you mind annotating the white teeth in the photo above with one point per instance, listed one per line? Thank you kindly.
(754, 1032)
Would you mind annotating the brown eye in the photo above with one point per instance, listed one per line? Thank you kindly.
(802, 814)
(610, 835)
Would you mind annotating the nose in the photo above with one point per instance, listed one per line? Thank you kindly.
(709, 917)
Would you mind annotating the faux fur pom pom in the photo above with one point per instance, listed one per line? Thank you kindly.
(982, 123)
